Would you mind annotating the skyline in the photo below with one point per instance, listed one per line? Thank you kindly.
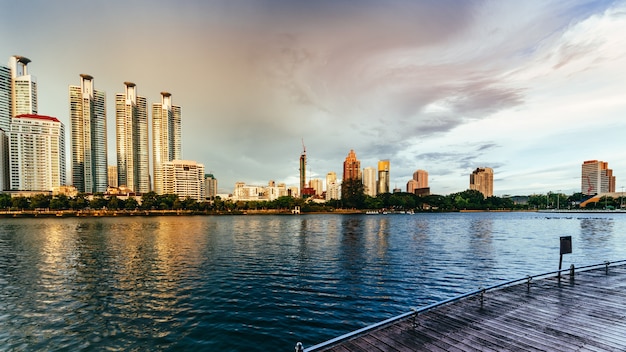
(443, 87)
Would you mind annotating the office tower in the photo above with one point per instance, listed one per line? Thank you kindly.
(351, 167)
(131, 120)
(318, 186)
(37, 153)
(184, 178)
(383, 176)
(210, 186)
(596, 177)
(481, 180)
(421, 177)
(303, 169)
(332, 186)
(88, 134)
(166, 137)
(4, 161)
(369, 181)
(112, 175)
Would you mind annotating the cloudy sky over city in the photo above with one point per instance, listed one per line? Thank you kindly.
(529, 88)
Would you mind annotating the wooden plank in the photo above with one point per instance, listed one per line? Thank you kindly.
(587, 313)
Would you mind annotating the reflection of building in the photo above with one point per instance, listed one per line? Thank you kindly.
(383, 177)
(88, 135)
(37, 153)
(332, 186)
(596, 177)
(131, 122)
(351, 167)
(210, 186)
(166, 137)
(184, 178)
(481, 180)
(369, 181)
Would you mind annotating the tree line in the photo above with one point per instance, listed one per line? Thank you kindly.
(353, 197)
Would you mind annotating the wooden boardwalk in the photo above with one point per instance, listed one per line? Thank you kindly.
(586, 313)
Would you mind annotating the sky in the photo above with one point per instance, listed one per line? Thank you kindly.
(529, 88)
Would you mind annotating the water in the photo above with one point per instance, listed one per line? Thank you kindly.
(262, 283)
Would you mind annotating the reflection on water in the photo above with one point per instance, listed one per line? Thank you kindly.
(260, 283)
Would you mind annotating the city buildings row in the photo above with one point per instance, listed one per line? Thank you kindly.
(32, 146)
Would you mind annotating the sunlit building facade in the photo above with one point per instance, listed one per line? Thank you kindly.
(383, 177)
(131, 120)
(166, 137)
(112, 175)
(332, 186)
(481, 180)
(24, 87)
(37, 153)
(210, 186)
(184, 178)
(88, 137)
(5, 121)
(369, 181)
(596, 177)
(351, 167)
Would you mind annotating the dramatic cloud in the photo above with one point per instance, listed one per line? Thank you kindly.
(445, 86)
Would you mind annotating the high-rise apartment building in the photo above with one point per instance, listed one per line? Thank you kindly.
(210, 186)
(184, 178)
(5, 122)
(37, 153)
(88, 135)
(383, 177)
(166, 137)
(332, 186)
(351, 167)
(318, 186)
(481, 180)
(131, 119)
(24, 87)
(419, 183)
(369, 181)
(596, 177)
(303, 169)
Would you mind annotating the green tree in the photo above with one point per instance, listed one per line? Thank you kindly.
(131, 203)
(40, 201)
(353, 194)
(5, 201)
(149, 201)
(20, 203)
(60, 202)
(115, 203)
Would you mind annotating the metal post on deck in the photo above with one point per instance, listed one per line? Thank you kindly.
(607, 263)
(566, 248)
(299, 347)
(571, 272)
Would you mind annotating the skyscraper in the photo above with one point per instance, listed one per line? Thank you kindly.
(351, 167)
(596, 177)
(24, 87)
(481, 180)
(419, 183)
(5, 122)
(131, 120)
(166, 137)
(369, 181)
(332, 186)
(303, 169)
(88, 136)
(383, 176)
(210, 186)
(37, 154)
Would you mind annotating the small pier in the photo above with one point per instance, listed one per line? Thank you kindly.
(583, 310)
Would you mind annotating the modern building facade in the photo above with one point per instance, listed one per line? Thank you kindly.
(88, 137)
(37, 153)
(351, 167)
(332, 186)
(596, 177)
(112, 175)
(131, 120)
(369, 181)
(302, 169)
(184, 178)
(23, 87)
(383, 177)
(166, 137)
(210, 186)
(481, 180)
(5, 98)
(419, 183)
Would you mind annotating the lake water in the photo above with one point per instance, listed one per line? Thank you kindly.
(262, 283)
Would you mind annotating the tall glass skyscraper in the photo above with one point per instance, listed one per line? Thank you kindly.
(166, 137)
(383, 176)
(88, 137)
(24, 90)
(131, 120)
